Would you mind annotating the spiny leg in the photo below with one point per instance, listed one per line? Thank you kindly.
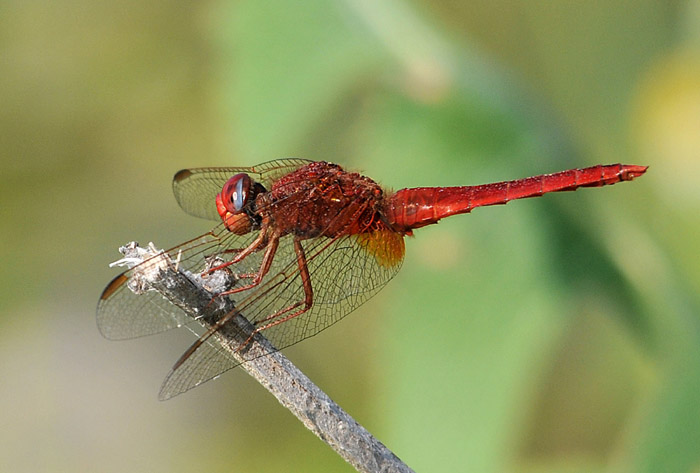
(253, 247)
(265, 265)
(307, 302)
(264, 268)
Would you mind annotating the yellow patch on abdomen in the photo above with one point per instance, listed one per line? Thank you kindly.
(384, 245)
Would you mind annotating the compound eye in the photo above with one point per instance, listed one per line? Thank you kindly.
(236, 193)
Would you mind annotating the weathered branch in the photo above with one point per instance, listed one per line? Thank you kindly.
(262, 361)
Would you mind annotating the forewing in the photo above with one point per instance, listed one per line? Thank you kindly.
(196, 189)
(123, 313)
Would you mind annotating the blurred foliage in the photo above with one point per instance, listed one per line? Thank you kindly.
(555, 335)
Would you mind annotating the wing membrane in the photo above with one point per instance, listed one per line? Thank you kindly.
(124, 314)
(195, 189)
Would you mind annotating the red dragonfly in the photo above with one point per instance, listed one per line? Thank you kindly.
(308, 242)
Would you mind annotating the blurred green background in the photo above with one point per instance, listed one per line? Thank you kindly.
(560, 334)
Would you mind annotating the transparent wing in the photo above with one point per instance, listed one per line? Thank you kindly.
(123, 313)
(207, 362)
(195, 189)
(344, 274)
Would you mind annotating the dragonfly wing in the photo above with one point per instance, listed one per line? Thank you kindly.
(344, 275)
(123, 313)
(196, 189)
(209, 361)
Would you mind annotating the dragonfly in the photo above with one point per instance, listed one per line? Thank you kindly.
(306, 242)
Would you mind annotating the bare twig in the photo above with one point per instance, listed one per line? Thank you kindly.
(262, 361)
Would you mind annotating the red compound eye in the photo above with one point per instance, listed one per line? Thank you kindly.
(236, 193)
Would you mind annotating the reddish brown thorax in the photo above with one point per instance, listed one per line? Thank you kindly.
(322, 199)
(319, 199)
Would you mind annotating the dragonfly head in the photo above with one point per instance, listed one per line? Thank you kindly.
(235, 203)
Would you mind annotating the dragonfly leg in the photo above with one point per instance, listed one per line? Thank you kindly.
(264, 268)
(225, 252)
(279, 316)
(269, 256)
(252, 248)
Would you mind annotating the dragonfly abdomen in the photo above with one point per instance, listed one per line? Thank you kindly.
(409, 209)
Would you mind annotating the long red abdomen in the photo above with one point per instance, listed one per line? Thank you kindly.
(408, 209)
